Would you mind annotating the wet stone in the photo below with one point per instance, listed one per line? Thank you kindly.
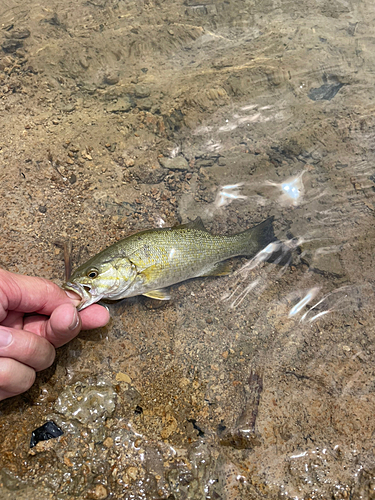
(325, 93)
(18, 33)
(141, 91)
(205, 163)
(121, 106)
(145, 104)
(148, 175)
(111, 78)
(47, 431)
(11, 45)
(10, 481)
(178, 163)
(87, 403)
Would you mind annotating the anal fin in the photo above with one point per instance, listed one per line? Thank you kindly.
(160, 294)
(218, 269)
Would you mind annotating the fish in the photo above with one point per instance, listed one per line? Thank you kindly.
(148, 262)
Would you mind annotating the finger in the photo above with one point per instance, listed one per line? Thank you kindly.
(29, 294)
(15, 378)
(14, 319)
(65, 323)
(94, 316)
(26, 347)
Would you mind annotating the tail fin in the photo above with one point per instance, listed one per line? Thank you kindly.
(258, 237)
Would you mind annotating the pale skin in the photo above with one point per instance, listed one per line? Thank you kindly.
(36, 316)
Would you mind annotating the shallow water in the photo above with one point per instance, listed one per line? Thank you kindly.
(118, 116)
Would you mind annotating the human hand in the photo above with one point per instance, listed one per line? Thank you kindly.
(35, 317)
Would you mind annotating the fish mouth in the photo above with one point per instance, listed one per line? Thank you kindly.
(84, 291)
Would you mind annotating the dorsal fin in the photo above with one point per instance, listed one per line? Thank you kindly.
(195, 224)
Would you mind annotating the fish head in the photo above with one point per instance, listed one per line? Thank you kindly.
(98, 279)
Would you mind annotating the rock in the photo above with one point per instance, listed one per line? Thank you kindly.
(142, 91)
(99, 493)
(148, 175)
(68, 108)
(205, 163)
(84, 62)
(87, 403)
(123, 377)
(49, 430)
(11, 45)
(111, 78)
(326, 92)
(121, 106)
(18, 33)
(177, 163)
(108, 442)
(145, 104)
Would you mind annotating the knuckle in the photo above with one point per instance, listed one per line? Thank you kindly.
(39, 351)
(15, 377)
(32, 346)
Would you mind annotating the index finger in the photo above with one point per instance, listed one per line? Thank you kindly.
(29, 294)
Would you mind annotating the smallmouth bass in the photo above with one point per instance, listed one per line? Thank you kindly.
(146, 263)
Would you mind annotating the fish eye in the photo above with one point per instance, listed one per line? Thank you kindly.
(92, 273)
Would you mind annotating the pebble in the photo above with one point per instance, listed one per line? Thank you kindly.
(18, 33)
(11, 45)
(111, 78)
(108, 442)
(123, 377)
(100, 492)
(84, 62)
(121, 106)
(142, 91)
(145, 104)
(132, 472)
(177, 163)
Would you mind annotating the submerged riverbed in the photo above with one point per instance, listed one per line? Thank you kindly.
(119, 116)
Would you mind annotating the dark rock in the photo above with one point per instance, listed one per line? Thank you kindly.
(205, 163)
(326, 92)
(42, 209)
(49, 430)
(18, 33)
(11, 45)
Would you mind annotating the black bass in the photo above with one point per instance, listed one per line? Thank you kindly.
(146, 263)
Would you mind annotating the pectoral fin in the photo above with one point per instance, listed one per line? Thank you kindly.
(218, 269)
(161, 294)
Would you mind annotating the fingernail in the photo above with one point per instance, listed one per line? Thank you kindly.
(5, 337)
(75, 321)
